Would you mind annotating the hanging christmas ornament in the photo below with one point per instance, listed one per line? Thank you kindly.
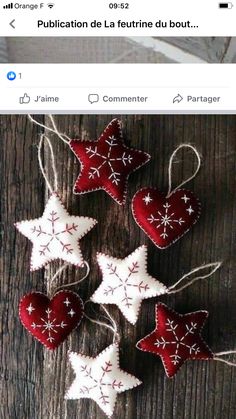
(56, 234)
(51, 320)
(126, 282)
(100, 378)
(166, 218)
(106, 163)
(177, 338)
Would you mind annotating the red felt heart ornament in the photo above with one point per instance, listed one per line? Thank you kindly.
(165, 219)
(51, 321)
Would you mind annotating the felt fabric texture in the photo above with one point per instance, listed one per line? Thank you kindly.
(165, 220)
(51, 321)
(126, 283)
(56, 234)
(106, 163)
(176, 338)
(100, 378)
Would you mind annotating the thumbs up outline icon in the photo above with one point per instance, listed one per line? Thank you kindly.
(24, 99)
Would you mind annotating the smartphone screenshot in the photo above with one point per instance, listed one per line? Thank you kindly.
(117, 180)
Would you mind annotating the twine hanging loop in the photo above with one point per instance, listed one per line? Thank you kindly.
(170, 169)
(112, 326)
(213, 266)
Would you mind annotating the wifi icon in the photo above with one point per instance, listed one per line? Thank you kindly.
(50, 5)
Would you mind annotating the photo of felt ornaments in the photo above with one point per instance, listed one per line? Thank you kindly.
(100, 379)
(56, 234)
(176, 338)
(51, 321)
(106, 163)
(165, 219)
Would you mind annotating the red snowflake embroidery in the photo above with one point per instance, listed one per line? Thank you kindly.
(100, 378)
(56, 234)
(126, 282)
(52, 234)
(100, 383)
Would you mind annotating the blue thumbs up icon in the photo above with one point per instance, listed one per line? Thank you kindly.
(11, 75)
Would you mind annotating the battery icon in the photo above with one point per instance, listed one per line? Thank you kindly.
(228, 5)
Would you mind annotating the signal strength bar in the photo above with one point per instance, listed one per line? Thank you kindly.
(8, 6)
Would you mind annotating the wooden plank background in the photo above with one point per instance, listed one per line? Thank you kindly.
(34, 380)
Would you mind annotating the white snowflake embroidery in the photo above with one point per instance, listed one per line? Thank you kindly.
(185, 198)
(30, 309)
(178, 340)
(66, 302)
(71, 312)
(126, 283)
(165, 220)
(147, 199)
(108, 160)
(190, 210)
(100, 378)
(49, 325)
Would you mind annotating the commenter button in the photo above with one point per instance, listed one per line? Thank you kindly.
(124, 99)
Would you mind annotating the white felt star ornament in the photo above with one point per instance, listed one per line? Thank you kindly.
(126, 283)
(56, 234)
(100, 378)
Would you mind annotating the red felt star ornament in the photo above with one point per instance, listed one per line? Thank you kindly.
(106, 163)
(176, 338)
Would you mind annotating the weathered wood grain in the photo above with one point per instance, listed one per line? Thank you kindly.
(33, 379)
(21, 197)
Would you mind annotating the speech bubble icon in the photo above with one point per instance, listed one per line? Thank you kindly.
(93, 98)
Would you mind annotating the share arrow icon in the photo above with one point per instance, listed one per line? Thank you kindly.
(178, 99)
